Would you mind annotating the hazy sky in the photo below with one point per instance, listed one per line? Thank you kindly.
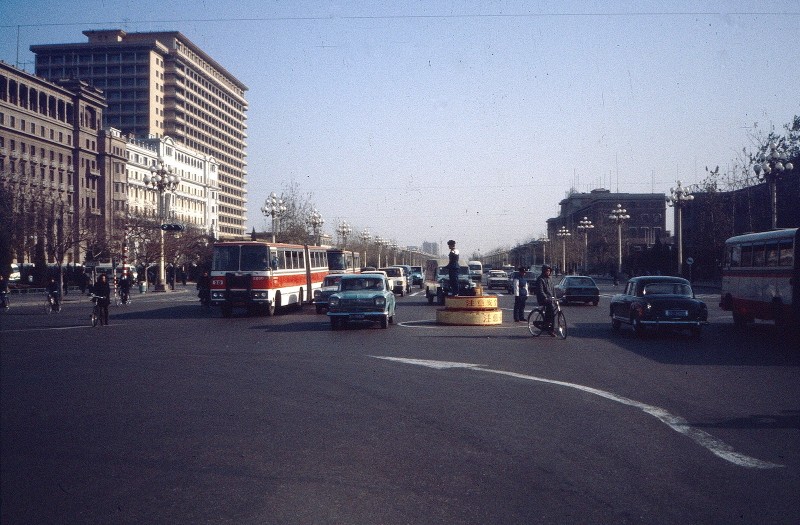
(425, 121)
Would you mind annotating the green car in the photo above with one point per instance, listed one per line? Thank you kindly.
(362, 297)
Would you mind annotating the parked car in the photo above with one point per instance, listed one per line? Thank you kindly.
(659, 302)
(497, 279)
(362, 297)
(417, 276)
(577, 289)
(398, 277)
(330, 285)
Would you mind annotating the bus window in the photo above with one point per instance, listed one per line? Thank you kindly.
(734, 256)
(758, 255)
(772, 254)
(747, 256)
(786, 257)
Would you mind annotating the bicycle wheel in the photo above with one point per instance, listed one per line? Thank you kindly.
(48, 306)
(561, 325)
(535, 322)
(94, 318)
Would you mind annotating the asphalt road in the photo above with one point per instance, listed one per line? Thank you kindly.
(175, 415)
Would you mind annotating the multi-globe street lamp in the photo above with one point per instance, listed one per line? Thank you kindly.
(344, 230)
(365, 237)
(316, 221)
(775, 164)
(584, 225)
(678, 198)
(273, 207)
(563, 233)
(543, 241)
(164, 182)
(619, 215)
(381, 242)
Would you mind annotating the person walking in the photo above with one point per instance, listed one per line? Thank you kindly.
(544, 296)
(520, 287)
(102, 292)
(452, 267)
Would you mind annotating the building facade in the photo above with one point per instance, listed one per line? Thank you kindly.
(57, 188)
(160, 84)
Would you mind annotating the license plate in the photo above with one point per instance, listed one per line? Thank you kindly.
(677, 313)
(357, 317)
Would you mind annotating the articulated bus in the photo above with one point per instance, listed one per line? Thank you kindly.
(761, 277)
(343, 261)
(261, 276)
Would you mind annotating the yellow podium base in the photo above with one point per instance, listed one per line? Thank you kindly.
(479, 310)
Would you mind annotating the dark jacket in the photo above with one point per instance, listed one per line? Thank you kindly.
(102, 289)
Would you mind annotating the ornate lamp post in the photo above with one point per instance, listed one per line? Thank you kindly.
(678, 197)
(619, 215)
(273, 207)
(344, 230)
(563, 233)
(165, 182)
(365, 237)
(381, 242)
(543, 241)
(585, 225)
(392, 246)
(774, 165)
(316, 221)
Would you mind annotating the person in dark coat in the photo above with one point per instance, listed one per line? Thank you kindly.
(102, 292)
(452, 267)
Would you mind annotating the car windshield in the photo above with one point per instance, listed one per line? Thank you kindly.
(362, 284)
(498, 274)
(667, 289)
(332, 280)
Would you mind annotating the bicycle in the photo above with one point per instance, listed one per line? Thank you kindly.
(51, 303)
(536, 324)
(122, 298)
(5, 303)
(96, 313)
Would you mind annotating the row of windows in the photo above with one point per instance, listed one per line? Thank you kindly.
(772, 254)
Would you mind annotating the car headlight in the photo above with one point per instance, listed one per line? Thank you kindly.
(380, 301)
(333, 302)
(317, 293)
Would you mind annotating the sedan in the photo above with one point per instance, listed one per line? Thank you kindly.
(497, 279)
(330, 285)
(658, 302)
(577, 289)
(362, 297)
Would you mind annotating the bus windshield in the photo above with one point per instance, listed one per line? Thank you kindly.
(337, 260)
(240, 258)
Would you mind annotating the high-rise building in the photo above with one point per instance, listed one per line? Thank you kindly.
(161, 84)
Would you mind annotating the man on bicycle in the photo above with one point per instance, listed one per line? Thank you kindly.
(53, 293)
(544, 296)
(102, 292)
(124, 288)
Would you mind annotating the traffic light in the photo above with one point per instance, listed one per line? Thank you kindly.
(172, 227)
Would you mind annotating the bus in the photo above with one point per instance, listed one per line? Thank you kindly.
(343, 261)
(761, 277)
(262, 277)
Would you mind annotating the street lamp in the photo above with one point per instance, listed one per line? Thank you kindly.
(585, 225)
(678, 197)
(316, 221)
(774, 165)
(563, 233)
(543, 241)
(393, 246)
(344, 230)
(381, 242)
(619, 215)
(273, 207)
(365, 237)
(163, 181)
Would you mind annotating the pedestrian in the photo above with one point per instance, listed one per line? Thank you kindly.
(544, 296)
(520, 287)
(83, 282)
(452, 267)
(54, 293)
(102, 292)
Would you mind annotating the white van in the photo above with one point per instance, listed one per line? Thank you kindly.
(475, 270)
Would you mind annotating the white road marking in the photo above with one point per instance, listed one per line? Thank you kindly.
(676, 423)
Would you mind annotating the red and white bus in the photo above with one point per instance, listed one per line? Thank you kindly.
(261, 276)
(343, 261)
(761, 277)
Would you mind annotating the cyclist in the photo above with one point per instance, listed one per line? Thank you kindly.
(4, 291)
(544, 296)
(124, 289)
(53, 294)
(204, 289)
(102, 292)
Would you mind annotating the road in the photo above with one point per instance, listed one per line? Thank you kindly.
(175, 415)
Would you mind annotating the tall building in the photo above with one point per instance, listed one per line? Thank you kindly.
(161, 84)
(53, 165)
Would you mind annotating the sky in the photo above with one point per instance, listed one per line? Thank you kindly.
(428, 121)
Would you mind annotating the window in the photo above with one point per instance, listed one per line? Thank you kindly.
(786, 254)
(758, 255)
